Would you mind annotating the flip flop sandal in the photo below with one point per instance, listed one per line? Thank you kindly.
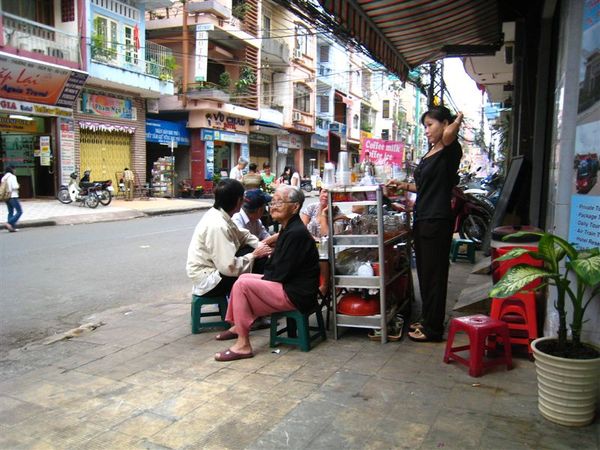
(375, 335)
(419, 336)
(226, 336)
(415, 326)
(230, 355)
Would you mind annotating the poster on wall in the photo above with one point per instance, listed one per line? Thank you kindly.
(102, 105)
(66, 139)
(385, 153)
(584, 225)
(45, 150)
(210, 159)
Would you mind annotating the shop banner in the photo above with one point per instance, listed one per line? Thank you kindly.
(290, 141)
(386, 153)
(31, 81)
(105, 106)
(14, 106)
(45, 152)
(201, 53)
(22, 126)
(66, 142)
(162, 131)
(209, 153)
(225, 136)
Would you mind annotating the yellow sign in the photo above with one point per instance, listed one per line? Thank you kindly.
(8, 124)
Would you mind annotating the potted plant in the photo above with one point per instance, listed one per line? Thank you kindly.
(567, 369)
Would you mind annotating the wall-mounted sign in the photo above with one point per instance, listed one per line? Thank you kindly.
(201, 53)
(318, 142)
(290, 141)
(32, 81)
(225, 136)
(382, 152)
(301, 127)
(162, 131)
(259, 138)
(105, 106)
(220, 121)
(12, 106)
(66, 142)
(209, 156)
(8, 124)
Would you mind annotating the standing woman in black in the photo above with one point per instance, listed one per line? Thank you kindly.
(435, 177)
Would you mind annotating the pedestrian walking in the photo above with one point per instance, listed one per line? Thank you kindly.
(129, 179)
(435, 176)
(10, 188)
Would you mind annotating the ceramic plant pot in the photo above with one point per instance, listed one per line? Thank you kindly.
(567, 388)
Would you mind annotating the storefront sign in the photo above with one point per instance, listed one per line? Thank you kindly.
(103, 105)
(31, 81)
(382, 152)
(290, 141)
(45, 152)
(201, 54)
(220, 121)
(66, 142)
(209, 154)
(12, 106)
(8, 124)
(303, 128)
(225, 136)
(245, 152)
(162, 131)
(259, 138)
(318, 142)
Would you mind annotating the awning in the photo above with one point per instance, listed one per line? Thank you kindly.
(403, 34)
(270, 128)
(343, 98)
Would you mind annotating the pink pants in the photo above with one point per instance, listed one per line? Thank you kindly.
(252, 297)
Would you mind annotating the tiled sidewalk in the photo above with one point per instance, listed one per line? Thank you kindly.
(142, 381)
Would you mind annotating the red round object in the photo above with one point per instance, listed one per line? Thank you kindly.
(353, 304)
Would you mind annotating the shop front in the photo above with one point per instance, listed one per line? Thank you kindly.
(36, 106)
(111, 129)
(260, 149)
(289, 152)
(168, 142)
(216, 146)
(318, 145)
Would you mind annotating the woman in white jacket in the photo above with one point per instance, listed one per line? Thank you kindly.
(14, 206)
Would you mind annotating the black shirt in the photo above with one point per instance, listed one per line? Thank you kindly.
(295, 264)
(435, 177)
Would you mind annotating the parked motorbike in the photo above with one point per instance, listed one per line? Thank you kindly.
(472, 216)
(104, 191)
(86, 193)
(306, 185)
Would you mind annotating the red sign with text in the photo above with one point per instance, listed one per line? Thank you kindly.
(382, 152)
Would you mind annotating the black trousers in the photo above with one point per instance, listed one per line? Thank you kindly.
(432, 239)
(226, 283)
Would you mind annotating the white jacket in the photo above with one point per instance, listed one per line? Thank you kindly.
(13, 184)
(212, 250)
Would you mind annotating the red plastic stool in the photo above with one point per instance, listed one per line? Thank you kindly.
(478, 328)
(519, 313)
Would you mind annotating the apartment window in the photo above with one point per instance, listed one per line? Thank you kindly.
(385, 109)
(105, 39)
(355, 121)
(301, 97)
(41, 11)
(266, 27)
(323, 103)
(302, 38)
(324, 53)
(131, 48)
(385, 135)
(266, 93)
(67, 10)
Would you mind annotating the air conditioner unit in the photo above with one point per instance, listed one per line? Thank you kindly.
(296, 116)
(298, 54)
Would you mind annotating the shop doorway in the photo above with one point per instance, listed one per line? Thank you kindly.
(222, 157)
(105, 154)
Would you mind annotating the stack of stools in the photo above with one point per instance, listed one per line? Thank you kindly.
(519, 313)
(479, 328)
(198, 302)
(297, 328)
(468, 255)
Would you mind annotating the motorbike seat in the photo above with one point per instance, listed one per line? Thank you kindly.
(87, 184)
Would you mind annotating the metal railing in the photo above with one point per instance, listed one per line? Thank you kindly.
(35, 37)
(159, 61)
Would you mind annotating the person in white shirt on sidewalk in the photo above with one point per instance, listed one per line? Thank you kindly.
(12, 204)
(236, 172)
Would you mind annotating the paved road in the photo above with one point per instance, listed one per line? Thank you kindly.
(53, 278)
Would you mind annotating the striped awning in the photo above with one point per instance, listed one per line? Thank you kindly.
(403, 34)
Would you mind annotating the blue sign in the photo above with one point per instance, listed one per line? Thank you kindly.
(209, 153)
(162, 131)
(208, 134)
(584, 226)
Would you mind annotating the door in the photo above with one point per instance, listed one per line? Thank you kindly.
(104, 154)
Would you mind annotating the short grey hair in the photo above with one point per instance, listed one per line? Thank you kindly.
(242, 160)
(292, 194)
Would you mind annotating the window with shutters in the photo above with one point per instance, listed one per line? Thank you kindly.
(385, 109)
(266, 27)
(323, 103)
(324, 53)
(301, 97)
(131, 52)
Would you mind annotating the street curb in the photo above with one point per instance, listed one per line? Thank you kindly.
(166, 212)
(36, 223)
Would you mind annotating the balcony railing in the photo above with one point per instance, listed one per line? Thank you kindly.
(158, 61)
(35, 37)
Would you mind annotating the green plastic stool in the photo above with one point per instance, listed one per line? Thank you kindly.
(455, 252)
(198, 302)
(297, 328)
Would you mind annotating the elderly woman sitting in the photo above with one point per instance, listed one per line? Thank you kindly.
(290, 281)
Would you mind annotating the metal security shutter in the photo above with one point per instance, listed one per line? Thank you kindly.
(104, 153)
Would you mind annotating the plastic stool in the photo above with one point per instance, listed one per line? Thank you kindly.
(478, 328)
(297, 328)
(198, 302)
(519, 313)
(455, 252)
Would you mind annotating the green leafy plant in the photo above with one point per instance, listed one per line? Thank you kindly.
(169, 66)
(576, 279)
(247, 79)
(225, 81)
(100, 48)
(240, 9)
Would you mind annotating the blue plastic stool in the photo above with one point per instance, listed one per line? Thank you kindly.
(455, 252)
(297, 328)
(198, 302)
